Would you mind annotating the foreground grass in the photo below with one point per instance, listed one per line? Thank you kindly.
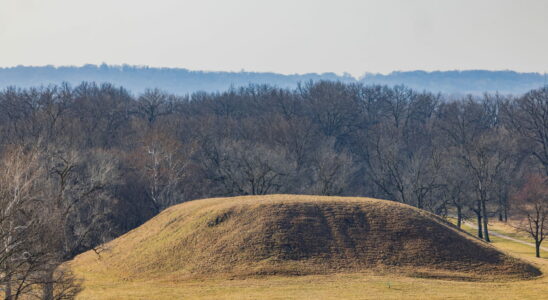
(337, 286)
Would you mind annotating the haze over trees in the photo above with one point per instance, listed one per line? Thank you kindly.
(183, 81)
(84, 164)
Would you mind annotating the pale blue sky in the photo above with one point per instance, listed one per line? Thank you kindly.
(285, 36)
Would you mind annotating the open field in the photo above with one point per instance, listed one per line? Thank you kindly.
(106, 283)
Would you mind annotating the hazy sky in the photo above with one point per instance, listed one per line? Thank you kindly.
(285, 36)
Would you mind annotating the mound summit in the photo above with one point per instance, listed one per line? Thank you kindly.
(298, 235)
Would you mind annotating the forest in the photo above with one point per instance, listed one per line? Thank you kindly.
(81, 165)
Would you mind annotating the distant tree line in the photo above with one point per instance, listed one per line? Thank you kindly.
(182, 81)
(173, 80)
(82, 165)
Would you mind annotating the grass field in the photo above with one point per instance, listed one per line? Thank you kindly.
(336, 286)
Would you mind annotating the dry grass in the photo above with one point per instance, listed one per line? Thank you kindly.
(147, 263)
(516, 249)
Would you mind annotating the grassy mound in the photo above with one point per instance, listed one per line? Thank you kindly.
(289, 234)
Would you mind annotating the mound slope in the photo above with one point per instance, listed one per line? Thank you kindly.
(289, 234)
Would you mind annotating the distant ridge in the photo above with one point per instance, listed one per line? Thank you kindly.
(183, 81)
(462, 82)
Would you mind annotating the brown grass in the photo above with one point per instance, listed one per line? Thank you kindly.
(297, 235)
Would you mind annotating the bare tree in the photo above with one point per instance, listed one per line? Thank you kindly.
(163, 161)
(455, 185)
(405, 170)
(26, 255)
(331, 171)
(333, 106)
(76, 195)
(245, 168)
(17, 193)
(473, 136)
(528, 115)
(154, 104)
(530, 205)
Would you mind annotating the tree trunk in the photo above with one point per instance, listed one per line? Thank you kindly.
(480, 228)
(485, 221)
(537, 248)
(7, 288)
(459, 216)
(47, 290)
(478, 215)
(501, 208)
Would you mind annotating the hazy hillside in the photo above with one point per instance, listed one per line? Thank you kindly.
(473, 81)
(182, 81)
(137, 79)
